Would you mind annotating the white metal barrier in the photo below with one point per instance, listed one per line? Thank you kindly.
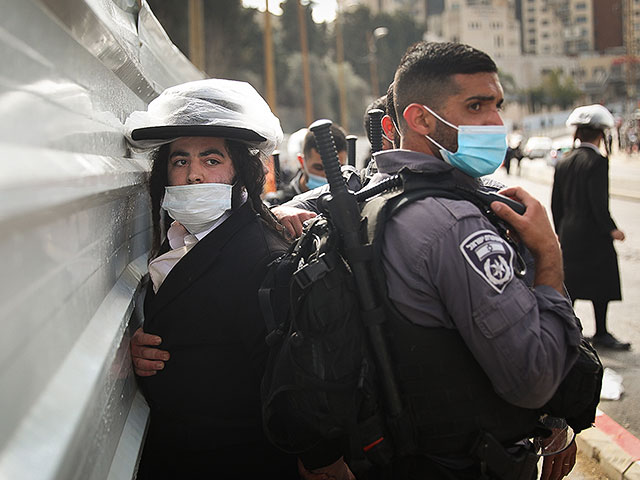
(74, 231)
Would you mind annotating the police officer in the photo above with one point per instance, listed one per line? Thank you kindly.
(476, 348)
(580, 206)
(311, 173)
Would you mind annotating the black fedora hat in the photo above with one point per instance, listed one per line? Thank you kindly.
(168, 132)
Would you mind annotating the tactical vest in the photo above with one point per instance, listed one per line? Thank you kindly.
(448, 395)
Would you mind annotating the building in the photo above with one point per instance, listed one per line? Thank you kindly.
(489, 25)
(553, 27)
(607, 25)
(542, 29)
(419, 9)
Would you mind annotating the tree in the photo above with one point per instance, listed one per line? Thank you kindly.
(403, 31)
(233, 37)
(556, 89)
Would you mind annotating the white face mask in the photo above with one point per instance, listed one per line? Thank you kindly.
(198, 206)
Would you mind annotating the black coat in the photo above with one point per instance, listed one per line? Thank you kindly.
(205, 405)
(580, 206)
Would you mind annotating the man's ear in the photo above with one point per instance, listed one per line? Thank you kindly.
(388, 128)
(418, 119)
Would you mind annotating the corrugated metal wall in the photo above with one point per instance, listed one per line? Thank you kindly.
(74, 231)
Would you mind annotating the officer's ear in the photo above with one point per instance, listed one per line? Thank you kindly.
(418, 119)
(388, 128)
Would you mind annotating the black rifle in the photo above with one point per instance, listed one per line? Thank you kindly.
(351, 150)
(345, 215)
(375, 129)
(276, 168)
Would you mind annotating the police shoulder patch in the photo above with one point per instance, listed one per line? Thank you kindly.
(490, 256)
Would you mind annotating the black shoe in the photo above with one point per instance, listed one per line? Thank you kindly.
(609, 341)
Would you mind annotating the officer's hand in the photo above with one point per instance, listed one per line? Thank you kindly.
(292, 218)
(338, 470)
(617, 235)
(534, 229)
(147, 360)
(557, 466)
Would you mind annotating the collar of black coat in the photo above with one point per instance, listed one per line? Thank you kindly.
(199, 258)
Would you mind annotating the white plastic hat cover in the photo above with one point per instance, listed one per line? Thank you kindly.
(211, 108)
(595, 116)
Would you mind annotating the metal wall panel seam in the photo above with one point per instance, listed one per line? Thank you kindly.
(90, 30)
(43, 36)
(40, 448)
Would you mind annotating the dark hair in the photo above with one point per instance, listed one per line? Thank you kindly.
(589, 135)
(339, 138)
(380, 103)
(250, 174)
(426, 68)
(390, 108)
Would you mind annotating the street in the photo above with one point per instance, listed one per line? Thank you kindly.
(623, 316)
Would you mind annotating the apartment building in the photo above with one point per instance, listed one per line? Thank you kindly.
(553, 27)
(489, 25)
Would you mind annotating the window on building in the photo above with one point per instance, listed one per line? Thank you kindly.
(545, 35)
(545, 22)
(581, 19)
(581, 6)
(498, 41)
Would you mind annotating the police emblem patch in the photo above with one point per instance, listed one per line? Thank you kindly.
(490, 256)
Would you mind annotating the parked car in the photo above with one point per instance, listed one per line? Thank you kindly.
(537, 147)
(559, 148)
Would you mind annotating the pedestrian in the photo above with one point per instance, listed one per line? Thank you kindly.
(201, 305)
(311, 172)
(478, 350)
(580, 207)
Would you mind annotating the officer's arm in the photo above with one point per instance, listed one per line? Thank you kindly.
(537, 234)
(524, 339)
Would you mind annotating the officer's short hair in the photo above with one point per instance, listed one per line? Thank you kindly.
(424, 73)
(390, 108)
(339, 138)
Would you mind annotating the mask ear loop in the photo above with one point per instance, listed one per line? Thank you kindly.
(439, 118)
(449, 124)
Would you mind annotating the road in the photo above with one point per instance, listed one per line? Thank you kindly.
(623, 317)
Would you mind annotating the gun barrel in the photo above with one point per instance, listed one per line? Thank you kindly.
(276, 168)
(351, 150)
(345, 215)
(375, 129)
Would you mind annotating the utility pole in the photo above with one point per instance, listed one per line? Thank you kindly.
(342, 89)
(196, 34)
(631, 47)
(269, 70)
(304, 48)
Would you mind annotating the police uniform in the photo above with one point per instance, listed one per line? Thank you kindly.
(476, 347)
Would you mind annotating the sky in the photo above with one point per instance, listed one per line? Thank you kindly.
(323, 11)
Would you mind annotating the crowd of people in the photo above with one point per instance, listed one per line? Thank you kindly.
(483, 346)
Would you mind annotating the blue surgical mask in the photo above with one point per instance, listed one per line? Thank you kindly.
(315, 181)
(481, 148)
